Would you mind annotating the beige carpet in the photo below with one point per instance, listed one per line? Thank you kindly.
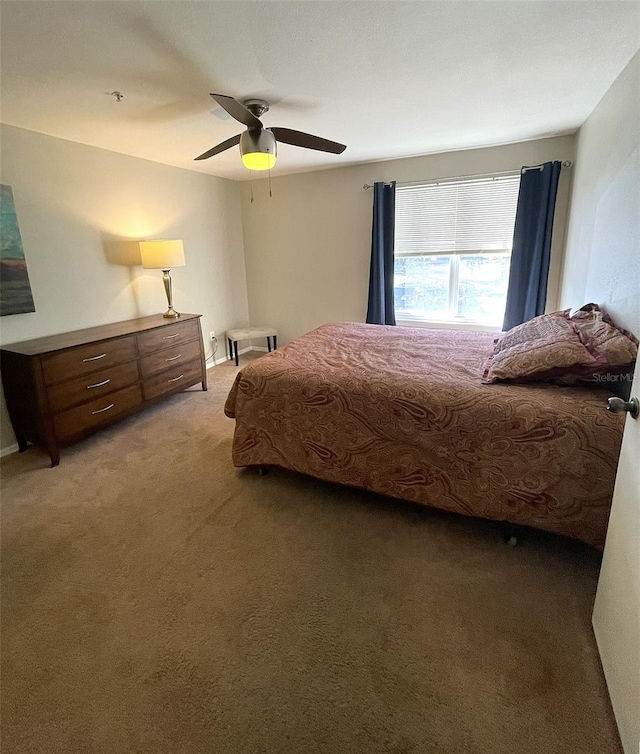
(155, 599)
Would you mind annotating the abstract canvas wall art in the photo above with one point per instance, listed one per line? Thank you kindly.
(15, 288)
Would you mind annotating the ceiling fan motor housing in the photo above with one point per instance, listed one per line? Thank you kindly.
(256, 106)
(257, 140)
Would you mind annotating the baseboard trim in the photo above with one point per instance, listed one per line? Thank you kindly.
(224, 359)
(9, 450)
(215, 363)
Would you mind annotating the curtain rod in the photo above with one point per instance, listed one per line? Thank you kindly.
(437, 181)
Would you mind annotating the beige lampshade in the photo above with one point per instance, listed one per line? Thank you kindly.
(161, 255)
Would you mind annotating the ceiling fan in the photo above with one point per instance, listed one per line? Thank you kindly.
(258, 144)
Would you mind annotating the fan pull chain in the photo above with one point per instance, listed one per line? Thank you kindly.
(270, 194)
(251, 184)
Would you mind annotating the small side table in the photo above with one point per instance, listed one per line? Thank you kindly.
(248, 333)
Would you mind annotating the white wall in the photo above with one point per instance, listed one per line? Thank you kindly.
(602, 264)
(602, 261)
(77, 204)
(307, 248)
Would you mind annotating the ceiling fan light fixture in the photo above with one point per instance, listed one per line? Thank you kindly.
(258, 160)
(258, 149)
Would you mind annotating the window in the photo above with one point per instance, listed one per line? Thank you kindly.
(453, 249)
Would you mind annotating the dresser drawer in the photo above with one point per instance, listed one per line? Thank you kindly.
(92, 386)
(77, 420)
(164, 337)
(184, 374)
(169, 357)
(76, 362)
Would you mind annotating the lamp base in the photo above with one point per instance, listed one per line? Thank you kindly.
(171, 313)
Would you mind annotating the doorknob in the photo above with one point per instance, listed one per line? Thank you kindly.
(618, 406)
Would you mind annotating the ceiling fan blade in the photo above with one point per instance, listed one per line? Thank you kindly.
(308, 141)
(220, 147)
(237, 110)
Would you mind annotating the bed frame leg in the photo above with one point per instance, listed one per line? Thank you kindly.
(263, 470)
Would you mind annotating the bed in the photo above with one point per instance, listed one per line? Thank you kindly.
(401, 411)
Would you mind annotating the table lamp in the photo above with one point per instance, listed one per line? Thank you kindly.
(163, 255)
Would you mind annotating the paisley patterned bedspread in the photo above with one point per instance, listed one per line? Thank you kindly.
(401, 411)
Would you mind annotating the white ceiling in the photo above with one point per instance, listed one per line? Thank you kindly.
(389, 79)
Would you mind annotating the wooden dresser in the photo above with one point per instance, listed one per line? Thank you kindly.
(64, 387)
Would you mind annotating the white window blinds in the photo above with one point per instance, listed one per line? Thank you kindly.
(456, 217)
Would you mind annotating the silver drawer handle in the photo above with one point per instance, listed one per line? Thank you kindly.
(173, 358)
(95, 358)
(175, 379)
(106, 408)
(168, 337)
(99, 384)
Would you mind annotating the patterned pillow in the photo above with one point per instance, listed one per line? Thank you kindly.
(611, 346)
(544, 347)
(544, 326)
